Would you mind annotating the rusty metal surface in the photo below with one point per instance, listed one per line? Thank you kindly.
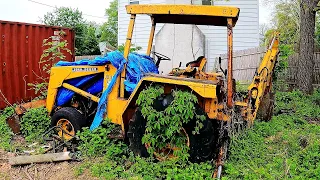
(14, 123)
(20, 51)
(22, 108)
(230, 64)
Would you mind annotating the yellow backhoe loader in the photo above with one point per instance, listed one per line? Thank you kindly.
(215, 91)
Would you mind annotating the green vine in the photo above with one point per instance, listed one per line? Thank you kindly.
(56, 49)
(164, 128)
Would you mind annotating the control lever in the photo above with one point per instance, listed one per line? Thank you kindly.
(223, 71)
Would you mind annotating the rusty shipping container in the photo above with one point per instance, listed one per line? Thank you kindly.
(20, 52)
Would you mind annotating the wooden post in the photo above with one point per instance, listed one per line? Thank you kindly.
(53, 157)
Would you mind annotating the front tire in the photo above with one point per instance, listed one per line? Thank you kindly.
(70, 120)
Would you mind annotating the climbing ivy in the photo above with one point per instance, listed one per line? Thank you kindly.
(165, 128)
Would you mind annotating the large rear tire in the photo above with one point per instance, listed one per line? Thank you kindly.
(202, 146)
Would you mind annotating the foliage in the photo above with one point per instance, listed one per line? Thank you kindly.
(119, 163)
(40, 89)
(56, 48)
(85, 42)
(6, 133)
(97, 143)
(109, 30)
(130, 167)
(282, 64)
(91, 43)
(133, 48)
(179, 112)
(34, 123)
(286, 19)
(286, 147)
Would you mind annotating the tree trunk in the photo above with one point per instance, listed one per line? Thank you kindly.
(306, 61)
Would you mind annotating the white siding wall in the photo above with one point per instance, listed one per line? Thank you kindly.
(246, 32)
(142, 26)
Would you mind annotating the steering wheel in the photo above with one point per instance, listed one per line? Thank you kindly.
(160, 57)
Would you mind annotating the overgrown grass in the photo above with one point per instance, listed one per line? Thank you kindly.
(286, 147)
(33, 124)
(112, 159)
(6, 133)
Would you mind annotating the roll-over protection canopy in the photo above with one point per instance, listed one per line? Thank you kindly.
(188, 14)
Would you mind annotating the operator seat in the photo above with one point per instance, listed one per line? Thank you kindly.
(191, 69)
(195, 63)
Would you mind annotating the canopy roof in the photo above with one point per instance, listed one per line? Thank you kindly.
(187, 14)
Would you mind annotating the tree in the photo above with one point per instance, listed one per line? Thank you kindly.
(109, 30)
(297, 23)
(86, 41)
(70, 18)
(307, 34)
(286, 20)
(91, 45)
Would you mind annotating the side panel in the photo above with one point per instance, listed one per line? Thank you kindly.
(59, 75)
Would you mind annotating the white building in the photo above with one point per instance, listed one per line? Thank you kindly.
(188, 42)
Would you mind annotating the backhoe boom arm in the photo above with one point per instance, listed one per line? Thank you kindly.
(262, 81)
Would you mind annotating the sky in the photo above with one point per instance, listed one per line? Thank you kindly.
(29, 11)
(93, 10)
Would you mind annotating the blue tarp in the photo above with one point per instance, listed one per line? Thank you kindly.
(138, 65)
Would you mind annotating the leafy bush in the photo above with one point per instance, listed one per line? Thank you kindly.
(181, 111)
(34, 123)
(97, 143)
(6, 133)
(133, 48)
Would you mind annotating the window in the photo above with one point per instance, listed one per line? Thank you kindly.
(133, 2)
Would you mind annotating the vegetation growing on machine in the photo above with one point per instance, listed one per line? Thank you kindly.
(174, 117)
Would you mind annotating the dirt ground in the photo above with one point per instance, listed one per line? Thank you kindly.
(50, 171)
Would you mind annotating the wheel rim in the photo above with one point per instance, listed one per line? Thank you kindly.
(65, 126)
(168, 151)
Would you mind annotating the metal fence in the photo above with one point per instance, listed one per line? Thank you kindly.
(245, 63)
